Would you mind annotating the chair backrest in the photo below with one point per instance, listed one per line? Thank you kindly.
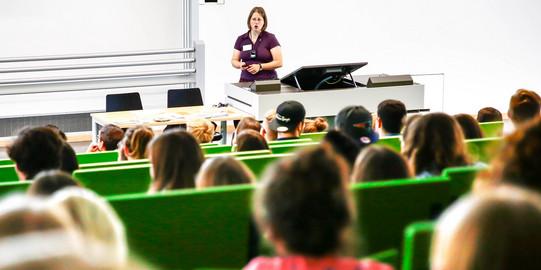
(483, 150)
(187, 229)
(6, 161)
(184, 97)
(113, 164)
(386, 208)
(97, 157)
(8, 173)
(116, 180)
(392, 142)
(258, 164)
(289, 148)
(462, 179)
(123, 102)
(417, 241)
(14, 186)
(240, 154)
(315, 136)
(492, 129)
(216, 149)
(300, 140)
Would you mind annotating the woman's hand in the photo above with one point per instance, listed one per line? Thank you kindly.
(254, 68)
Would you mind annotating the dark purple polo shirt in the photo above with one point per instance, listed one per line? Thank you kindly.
(265, 42)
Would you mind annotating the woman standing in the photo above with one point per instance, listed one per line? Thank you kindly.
(257, 53)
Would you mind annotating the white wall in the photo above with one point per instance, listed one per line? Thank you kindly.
(487, 49)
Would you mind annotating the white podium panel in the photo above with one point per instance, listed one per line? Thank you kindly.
(322, 102)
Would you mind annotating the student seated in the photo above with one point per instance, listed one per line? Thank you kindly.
(266, 131)
(391, 114)
(305, 209)
(109, 137)
(434, 142)
(201, 129)
(223, 171)
(69, 162)
(315, 125)
(489, 114)
(246, 123)
(176, 158)
(134, 144)
(250, 140)
(494, 229)
(356, 122)
(470, 127)
(48, 182)
(524, 106)
(289, 120)
(377, 163)
(518, 162)
(35, 149)
(343, 145)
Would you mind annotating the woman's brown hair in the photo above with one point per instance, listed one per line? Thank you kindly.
(136, 140)
(261, 12)
(317, 125)
(222, 171)
(176, 157)
(434, 142)
(250, 140)
(470, 126)
(376, 163)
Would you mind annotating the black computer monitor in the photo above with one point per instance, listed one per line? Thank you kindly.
(323, 76)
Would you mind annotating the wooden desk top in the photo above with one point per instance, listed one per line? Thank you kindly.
(169, 116)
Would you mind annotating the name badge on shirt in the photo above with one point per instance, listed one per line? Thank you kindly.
(247, 47)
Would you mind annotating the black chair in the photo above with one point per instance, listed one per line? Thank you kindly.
(123, 102)
(187, 97)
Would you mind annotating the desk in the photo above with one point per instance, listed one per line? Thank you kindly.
(179, 115)
(323, 102)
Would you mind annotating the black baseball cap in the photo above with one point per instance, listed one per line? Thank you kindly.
(356, 121)
(288, 116)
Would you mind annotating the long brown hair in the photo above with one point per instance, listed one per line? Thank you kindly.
(434, 143)
(176, 157)
(136, 140)
(377, 162)
(221, 171)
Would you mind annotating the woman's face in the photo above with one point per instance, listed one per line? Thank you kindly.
(257, 22)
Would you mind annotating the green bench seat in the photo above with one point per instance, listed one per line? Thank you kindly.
(492, 129)
(188, 229)
(393, 142)
(315, 136)
(116, 180)
(258, 164)
(417, 242)
(483, 150)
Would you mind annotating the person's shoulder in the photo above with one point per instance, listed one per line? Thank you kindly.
(244, 35)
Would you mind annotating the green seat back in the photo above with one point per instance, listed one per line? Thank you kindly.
(289, 148)
(216, 149)
(292, 141)
(8, 187)
(483, 150)
(187, 229)
(116, 180)
(258, 164)
(492, 129)
(8, 173)
(241, 154)
(462, 179)
(97, 157)
(113, 164)
(417, 241)
(392, 142)
(208, 144)
(6, 161)
(386, 208)
(390, 257)
(315, 136)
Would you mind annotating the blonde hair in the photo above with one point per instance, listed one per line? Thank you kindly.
(494, 229)
(270, 135)
(97, 222)
(315, 125)
(221, 171)
(136, 140)
(201, 129)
